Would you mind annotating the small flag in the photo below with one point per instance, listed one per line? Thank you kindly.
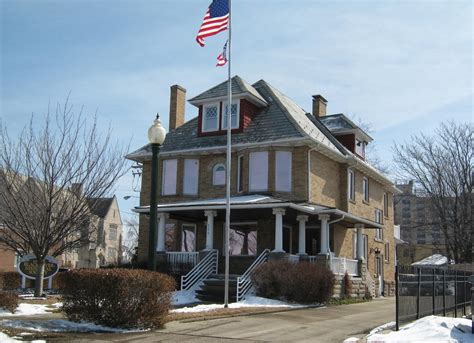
(222, 58)
(215, 20)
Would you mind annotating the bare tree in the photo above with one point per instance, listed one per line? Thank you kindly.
(131, 237)
(442, 167)
(49, 177)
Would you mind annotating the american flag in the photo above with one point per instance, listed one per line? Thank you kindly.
(222, 58)
(215, 20)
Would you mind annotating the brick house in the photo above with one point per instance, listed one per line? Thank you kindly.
(300, 185)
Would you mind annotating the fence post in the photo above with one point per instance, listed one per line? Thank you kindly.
(455, 294)
(397, 299)
(434, 291)
(444, 293)
(464, 298)
(418, 295)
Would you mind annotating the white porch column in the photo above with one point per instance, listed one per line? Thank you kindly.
(210, 229)
(324, 245)
(359, 242)
(302, 219)
(160, 245)
(278, 212)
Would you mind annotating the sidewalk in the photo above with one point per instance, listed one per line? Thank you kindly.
(333, 324)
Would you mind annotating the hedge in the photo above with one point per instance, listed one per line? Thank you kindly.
(8, 301)
(301, 282)
(125, 298)
(10, 281)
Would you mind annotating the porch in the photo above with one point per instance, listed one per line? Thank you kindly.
(295, 231)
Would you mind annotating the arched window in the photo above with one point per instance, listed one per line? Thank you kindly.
(218, 175)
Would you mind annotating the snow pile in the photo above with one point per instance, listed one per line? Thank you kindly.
(429, 329)
(386, 326)
(251, 301)
(183, 298)
(58, 325)
(27, 310)
(7, 339)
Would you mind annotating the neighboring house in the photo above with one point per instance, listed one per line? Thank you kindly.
(418, 225)
(300, 184)
(433, 261)
(106, 246)
(8, 259)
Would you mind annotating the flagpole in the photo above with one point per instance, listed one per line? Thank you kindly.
(229, 142)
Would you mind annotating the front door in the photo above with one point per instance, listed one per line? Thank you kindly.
(379, 272)
(312, 241)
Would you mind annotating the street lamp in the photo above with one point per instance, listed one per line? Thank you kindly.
(156, 137)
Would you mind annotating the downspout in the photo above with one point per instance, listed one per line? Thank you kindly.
(309, 174)
(332, 222)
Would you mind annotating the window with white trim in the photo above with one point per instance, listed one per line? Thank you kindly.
(387, 252)
(169, 177)
(360, 148)
(218, 175)
(210, 117)
(258, 171)
(385, 205)
(234, 116)
(240, 173)
(378, 219)
(191, 176)
(365, 188)
(283, 171)
(350, 184)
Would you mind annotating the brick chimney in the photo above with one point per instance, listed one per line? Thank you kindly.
(319, 106)
(177, 104)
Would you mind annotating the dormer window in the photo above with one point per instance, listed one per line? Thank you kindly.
(360, 148)
(234, 116)
(210, 118)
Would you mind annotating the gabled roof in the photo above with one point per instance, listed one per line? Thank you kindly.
(339, 124)
(281, 119)
(240, 87)
(100, 206)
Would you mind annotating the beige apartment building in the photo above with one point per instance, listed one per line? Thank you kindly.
(106, 241)
(301, 187)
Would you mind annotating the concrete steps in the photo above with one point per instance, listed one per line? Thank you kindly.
(213, 289)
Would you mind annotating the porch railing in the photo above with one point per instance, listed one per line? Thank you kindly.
(244, 282)
(177, 260)
(207, 266)
(341, 265)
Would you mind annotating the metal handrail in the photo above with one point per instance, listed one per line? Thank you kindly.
(244, 282)
(207, 266)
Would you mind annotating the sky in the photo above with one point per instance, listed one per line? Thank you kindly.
(404, 67)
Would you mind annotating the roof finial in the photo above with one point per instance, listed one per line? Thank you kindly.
(157, 115)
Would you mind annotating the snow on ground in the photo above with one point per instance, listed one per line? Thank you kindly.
(7, 339)
(27, 310)
(250, 301)
(57, 305)
(183, 298)
(58, 325)
(429, 329)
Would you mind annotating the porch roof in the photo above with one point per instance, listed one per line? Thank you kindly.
(257, 201)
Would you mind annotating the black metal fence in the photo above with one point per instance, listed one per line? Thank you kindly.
(424, 291)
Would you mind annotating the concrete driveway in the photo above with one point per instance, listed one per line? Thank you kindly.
(333, 324)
